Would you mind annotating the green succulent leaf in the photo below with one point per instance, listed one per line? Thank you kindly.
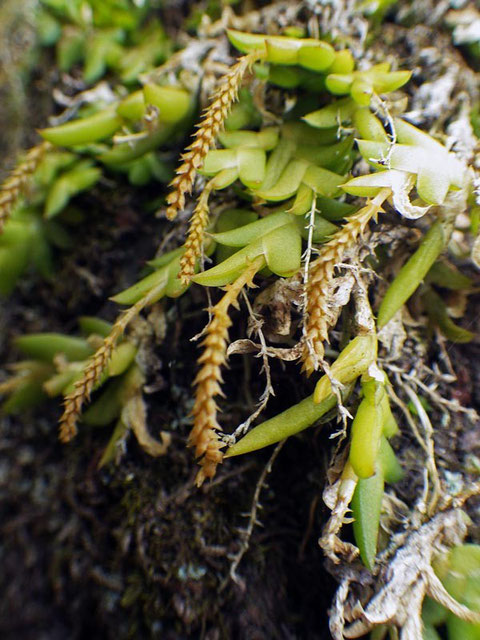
(367, 429)
(366, 508)
(447, 276)
(164, 279)
(333, 114)
(437, 171)
(331, 157)
(390, 427)
(251, 166)
(241, 236)
(438, 313)
(103, 50)
(306, 52)
(111, 450)
(369, 126)
(244, 113)
(282, 249)
(51, 164)
(125, 152)
(301, 134)
(122, 357)
(277, 162)
(133, 106)
(412, 273)
(90, 325)
(173, 103)
(343, 62)
(353, 361)
(83, 176)
(48, 28)
(334, 209)
(152, 48)
(459, 571)
(266, 139)
(288, 423)
(45, 346)
(391, 468)
(400, 182)
(433, 614)
(361, 85)
(107, 407)
(83, 131)
(277, 238)
(61, 382)
(28, 395)
(13, 262)
(324, 182)
(70, 47)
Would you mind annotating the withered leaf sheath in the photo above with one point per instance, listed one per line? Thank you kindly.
(320, 277)
(14, 185)
(204, 435)
(96, 367)
(194, 241)
(208, 128)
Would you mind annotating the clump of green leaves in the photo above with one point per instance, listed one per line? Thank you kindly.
(103, 36)
(56, 361)
(82, 150)
(35, 226)
(306, 202)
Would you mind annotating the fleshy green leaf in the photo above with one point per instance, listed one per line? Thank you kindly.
(438, 313)
(411, 274)
(241, 236)
(333, 114)
(281, 246)
(84, 130)
(45, 346)
(352, 362)
(367, 429)
(289, 422)
(366, 508)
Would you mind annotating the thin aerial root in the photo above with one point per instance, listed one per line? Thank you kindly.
(320, 277)
(205, 433)
(15, 184)
(95, 368)
(211, 124)
(246, 534)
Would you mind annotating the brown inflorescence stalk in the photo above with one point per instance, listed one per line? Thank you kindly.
(204, 435)
(95, 368)
(318, 316)
(194, 241)
(14, 185)
(212, 122)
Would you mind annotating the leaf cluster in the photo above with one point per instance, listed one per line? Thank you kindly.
(308, 188)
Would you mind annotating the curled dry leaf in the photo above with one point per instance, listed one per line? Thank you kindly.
(134, 416)
(405, 578)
